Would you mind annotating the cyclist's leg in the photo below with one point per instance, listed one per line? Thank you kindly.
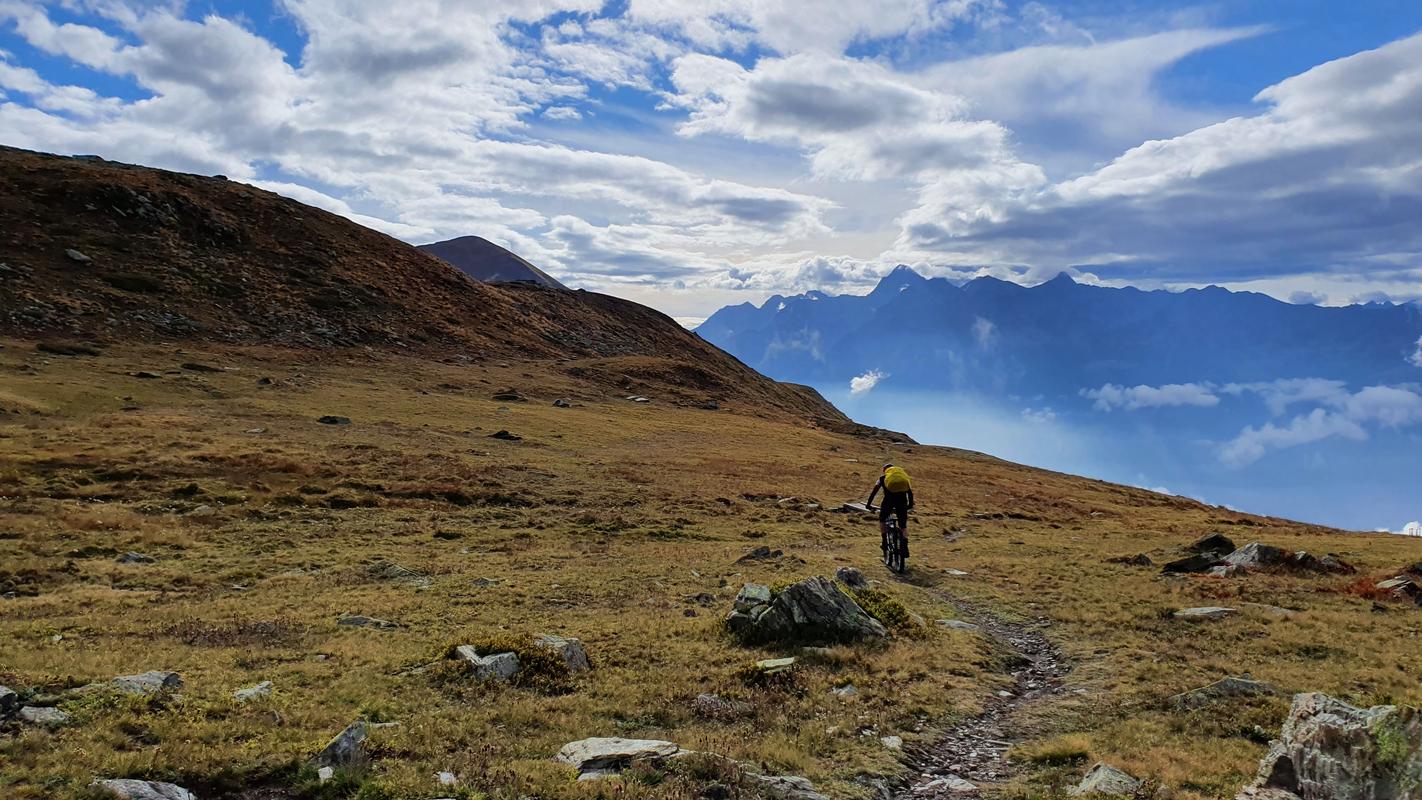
(884, 529)
(901, 511)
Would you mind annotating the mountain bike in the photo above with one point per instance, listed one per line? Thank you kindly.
(894, 545)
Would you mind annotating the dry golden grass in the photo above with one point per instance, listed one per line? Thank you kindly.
(606, 522)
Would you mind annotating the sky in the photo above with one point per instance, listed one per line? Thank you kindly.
(694, 154)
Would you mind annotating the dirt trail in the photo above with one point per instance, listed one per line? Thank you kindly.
(975, 749)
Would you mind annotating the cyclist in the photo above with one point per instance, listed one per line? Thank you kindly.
(898, 500)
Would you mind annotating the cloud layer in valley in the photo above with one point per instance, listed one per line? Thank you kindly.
(709, 150)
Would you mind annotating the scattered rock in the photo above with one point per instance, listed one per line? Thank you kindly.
(506, 436)
(1138, 560)
(783, 787)
(637, 398)
(762, 553)
(714, 706)
(77, 257)
(255, 431)
(143, 375)
(1203, 613)
(1212, 543)
(561, 403)
(572, 651)
(150, 682)
(957, 624)
(346, 749)
(1402, 587)
(600, 756)
(129, 789)
(247, 695)
(1332, 563)
(202, 511)
(710, 405)
(854, 508)
(951, 784)
(814, 610)
(775, 666)
(484, 583)
(9, 701)
(332, 419)
(1329, 750)
(447, 779)
(362, 621)
(325, 774)
(851, 577)
(390, 571)
(43, 716)
(847, 690)
(1222, 689)
(499, 666)
(509, 396)
(135, 558)
(1256, 555)
(193, 366)
(957, 573)
(892, 742)
(1107, 780)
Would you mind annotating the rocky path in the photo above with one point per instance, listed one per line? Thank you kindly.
(973, 752)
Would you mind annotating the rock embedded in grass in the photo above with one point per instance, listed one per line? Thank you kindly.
(500, 667)
(1212, 543)
(346, 749)
(132, 557)
(602, 756)
(506, 436)
(812, 611)
(43, 716)
(247, 695)
(9, 701)
(1222, 689)
(129, 789)
(1105, 779)
(77, 256)
(571, 650)
(151, 682)
(1198, 562)
(333, 419)
(1203, 613)
(851, 577)
(362, 621)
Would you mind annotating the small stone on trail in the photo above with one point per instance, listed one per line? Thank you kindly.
(1203, 613)
(263, 689)
(1107, 780)
(851, 577)
(129, 789)
(951, 784)
(43, 716)
(957, 624)
(332, 419)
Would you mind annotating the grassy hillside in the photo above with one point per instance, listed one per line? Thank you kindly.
(617, 523)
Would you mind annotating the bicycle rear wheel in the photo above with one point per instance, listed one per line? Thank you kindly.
(898, 551)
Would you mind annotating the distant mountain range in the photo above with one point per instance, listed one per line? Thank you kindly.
(1059, 337)
(483, 260)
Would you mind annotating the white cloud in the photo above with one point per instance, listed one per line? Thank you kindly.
(866, 382)
(1349, 417)
(1132, 398)
(984, 332)
(1279, 395)
(1416, 359)
(1039, 415)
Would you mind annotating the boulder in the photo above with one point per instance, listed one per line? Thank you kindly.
(150, 682)
(9, 701)
(851, 577)
(346, 749)
(1203, 613)
(571, 650)
(129, 789)
(44, 716)
(1221, 689)
(1402, 588)
(1199, 562)
(1258, 556)
(782, 787)
(498, 667)
(247, 695)
(1212, 543)
(1329, 750)
(1107, 780)
(813, 611)
(602, 755)
(1227, 571)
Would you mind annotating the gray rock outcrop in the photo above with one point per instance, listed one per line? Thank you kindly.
(150, 682)
(43, 716)
(247, 695)
(346, 749)
(1329, 750)
(1222, 689)
(1106, 779)
(1203, 613)
(129, 789)
(600, 756)
(497, 667)
(574, 656)
(813, 611)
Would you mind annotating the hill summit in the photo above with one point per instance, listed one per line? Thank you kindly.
(483, 260)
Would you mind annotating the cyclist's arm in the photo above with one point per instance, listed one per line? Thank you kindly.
(874, 493)
(910, 493)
